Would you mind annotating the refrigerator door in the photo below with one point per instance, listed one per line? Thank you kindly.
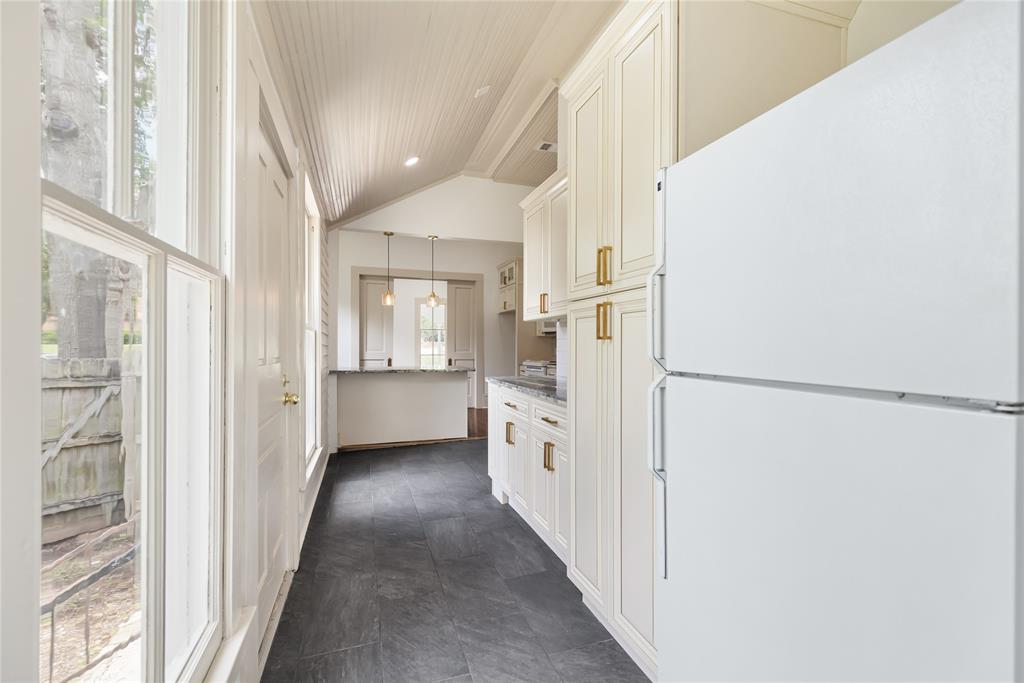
(818, 537)
(865, 233)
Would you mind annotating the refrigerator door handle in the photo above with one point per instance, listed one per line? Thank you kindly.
(655, 456)
(657, 275)
(656, 463)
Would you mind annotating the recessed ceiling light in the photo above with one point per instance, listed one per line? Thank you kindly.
(480, 92)
(412, 161)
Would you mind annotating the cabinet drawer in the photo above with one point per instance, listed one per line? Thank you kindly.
(515, 403)
(551, 418)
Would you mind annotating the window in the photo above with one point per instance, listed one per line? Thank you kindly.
(432, 334)
(131, 346)
(115, 100)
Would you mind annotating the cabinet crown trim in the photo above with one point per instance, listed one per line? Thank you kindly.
(542, 189)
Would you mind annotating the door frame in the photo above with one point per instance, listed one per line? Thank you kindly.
(20, 296)
(358, 272)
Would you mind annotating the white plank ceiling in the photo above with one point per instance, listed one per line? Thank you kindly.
(524, 164)
(375, 83)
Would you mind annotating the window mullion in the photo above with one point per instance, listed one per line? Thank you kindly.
(120, 115)
(155, 475)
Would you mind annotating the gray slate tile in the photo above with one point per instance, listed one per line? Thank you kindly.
(344, 614)
(603, 661)
(517, 552)
(451, 538)
(474, 590)
(419, 641)
(405, 569)
(505, 649)
(360, 664)
(555, 611)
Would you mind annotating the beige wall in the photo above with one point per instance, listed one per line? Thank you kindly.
(879, 21)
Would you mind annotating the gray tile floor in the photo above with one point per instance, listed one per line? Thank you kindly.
(411, 571)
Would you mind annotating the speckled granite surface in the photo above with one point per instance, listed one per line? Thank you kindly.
(384, 371)
(546, 388)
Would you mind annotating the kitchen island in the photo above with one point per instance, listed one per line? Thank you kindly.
(381, 406)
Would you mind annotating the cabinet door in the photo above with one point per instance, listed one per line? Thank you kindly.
(587, 187)
(507, 298)
(519, 466)
(541, 492)
(641, 133)
(534, 257)
(633, 486)
(588, 511)
(560, 499)
(557, 236)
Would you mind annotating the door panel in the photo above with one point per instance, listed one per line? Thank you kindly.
(633, 486)
(556, 258)
(534, 257)
(541, 484)
(586, 187)
(639, 128)
(560, 509)
(589, 533)
(376, 337)
(826, 537)
(267, 292)
(461, 341)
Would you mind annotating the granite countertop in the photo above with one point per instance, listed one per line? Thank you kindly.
(547, 388)
(385, 371)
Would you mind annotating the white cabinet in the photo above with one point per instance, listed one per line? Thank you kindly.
(528, 462)
(611, 490)
(654, 87)
(545, 218)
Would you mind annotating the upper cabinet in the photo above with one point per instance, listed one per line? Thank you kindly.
(663, 80)
(545, 216)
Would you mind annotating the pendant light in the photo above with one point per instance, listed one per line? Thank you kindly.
(388, 297)
(432, 300)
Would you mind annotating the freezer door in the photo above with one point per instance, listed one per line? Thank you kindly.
(866, 233)
(820, 537)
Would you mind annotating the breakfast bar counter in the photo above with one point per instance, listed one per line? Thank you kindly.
(394, 405)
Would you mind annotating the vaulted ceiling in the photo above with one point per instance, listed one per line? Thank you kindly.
(371, 84)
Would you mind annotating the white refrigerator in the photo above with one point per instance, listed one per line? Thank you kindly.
(836, 440)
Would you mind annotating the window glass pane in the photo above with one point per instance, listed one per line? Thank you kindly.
(189, 467)
(108, 68)
(93, 402)
(311, 392)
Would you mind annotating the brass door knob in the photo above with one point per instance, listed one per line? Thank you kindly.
(290, 399)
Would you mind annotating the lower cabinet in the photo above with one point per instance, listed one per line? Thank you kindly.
(528, 462)
(612, 550)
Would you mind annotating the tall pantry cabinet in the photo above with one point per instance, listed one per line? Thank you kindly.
(660, 72)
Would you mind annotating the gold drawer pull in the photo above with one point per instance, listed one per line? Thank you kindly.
(604, 265)
(510, 433)
(549, 420)
(544, 302)
(513, 406)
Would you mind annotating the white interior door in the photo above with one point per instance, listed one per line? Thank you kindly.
(818, 537)
(267, 296)
(376, 337)
(462, 333)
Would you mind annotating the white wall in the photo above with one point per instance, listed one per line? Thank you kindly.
(406, 323)
(358, 249)
(463, 207)
(879, 21)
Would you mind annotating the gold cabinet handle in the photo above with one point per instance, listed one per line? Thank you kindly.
(544, 302)
(549, 464)
(449, 362)
(513, 406)
(549, 420)
(508, 433)
(290, 399)
(604, 328)
(604, 265)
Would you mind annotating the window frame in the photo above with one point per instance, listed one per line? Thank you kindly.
(84, 222)
(312, 326)
(420, 302)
